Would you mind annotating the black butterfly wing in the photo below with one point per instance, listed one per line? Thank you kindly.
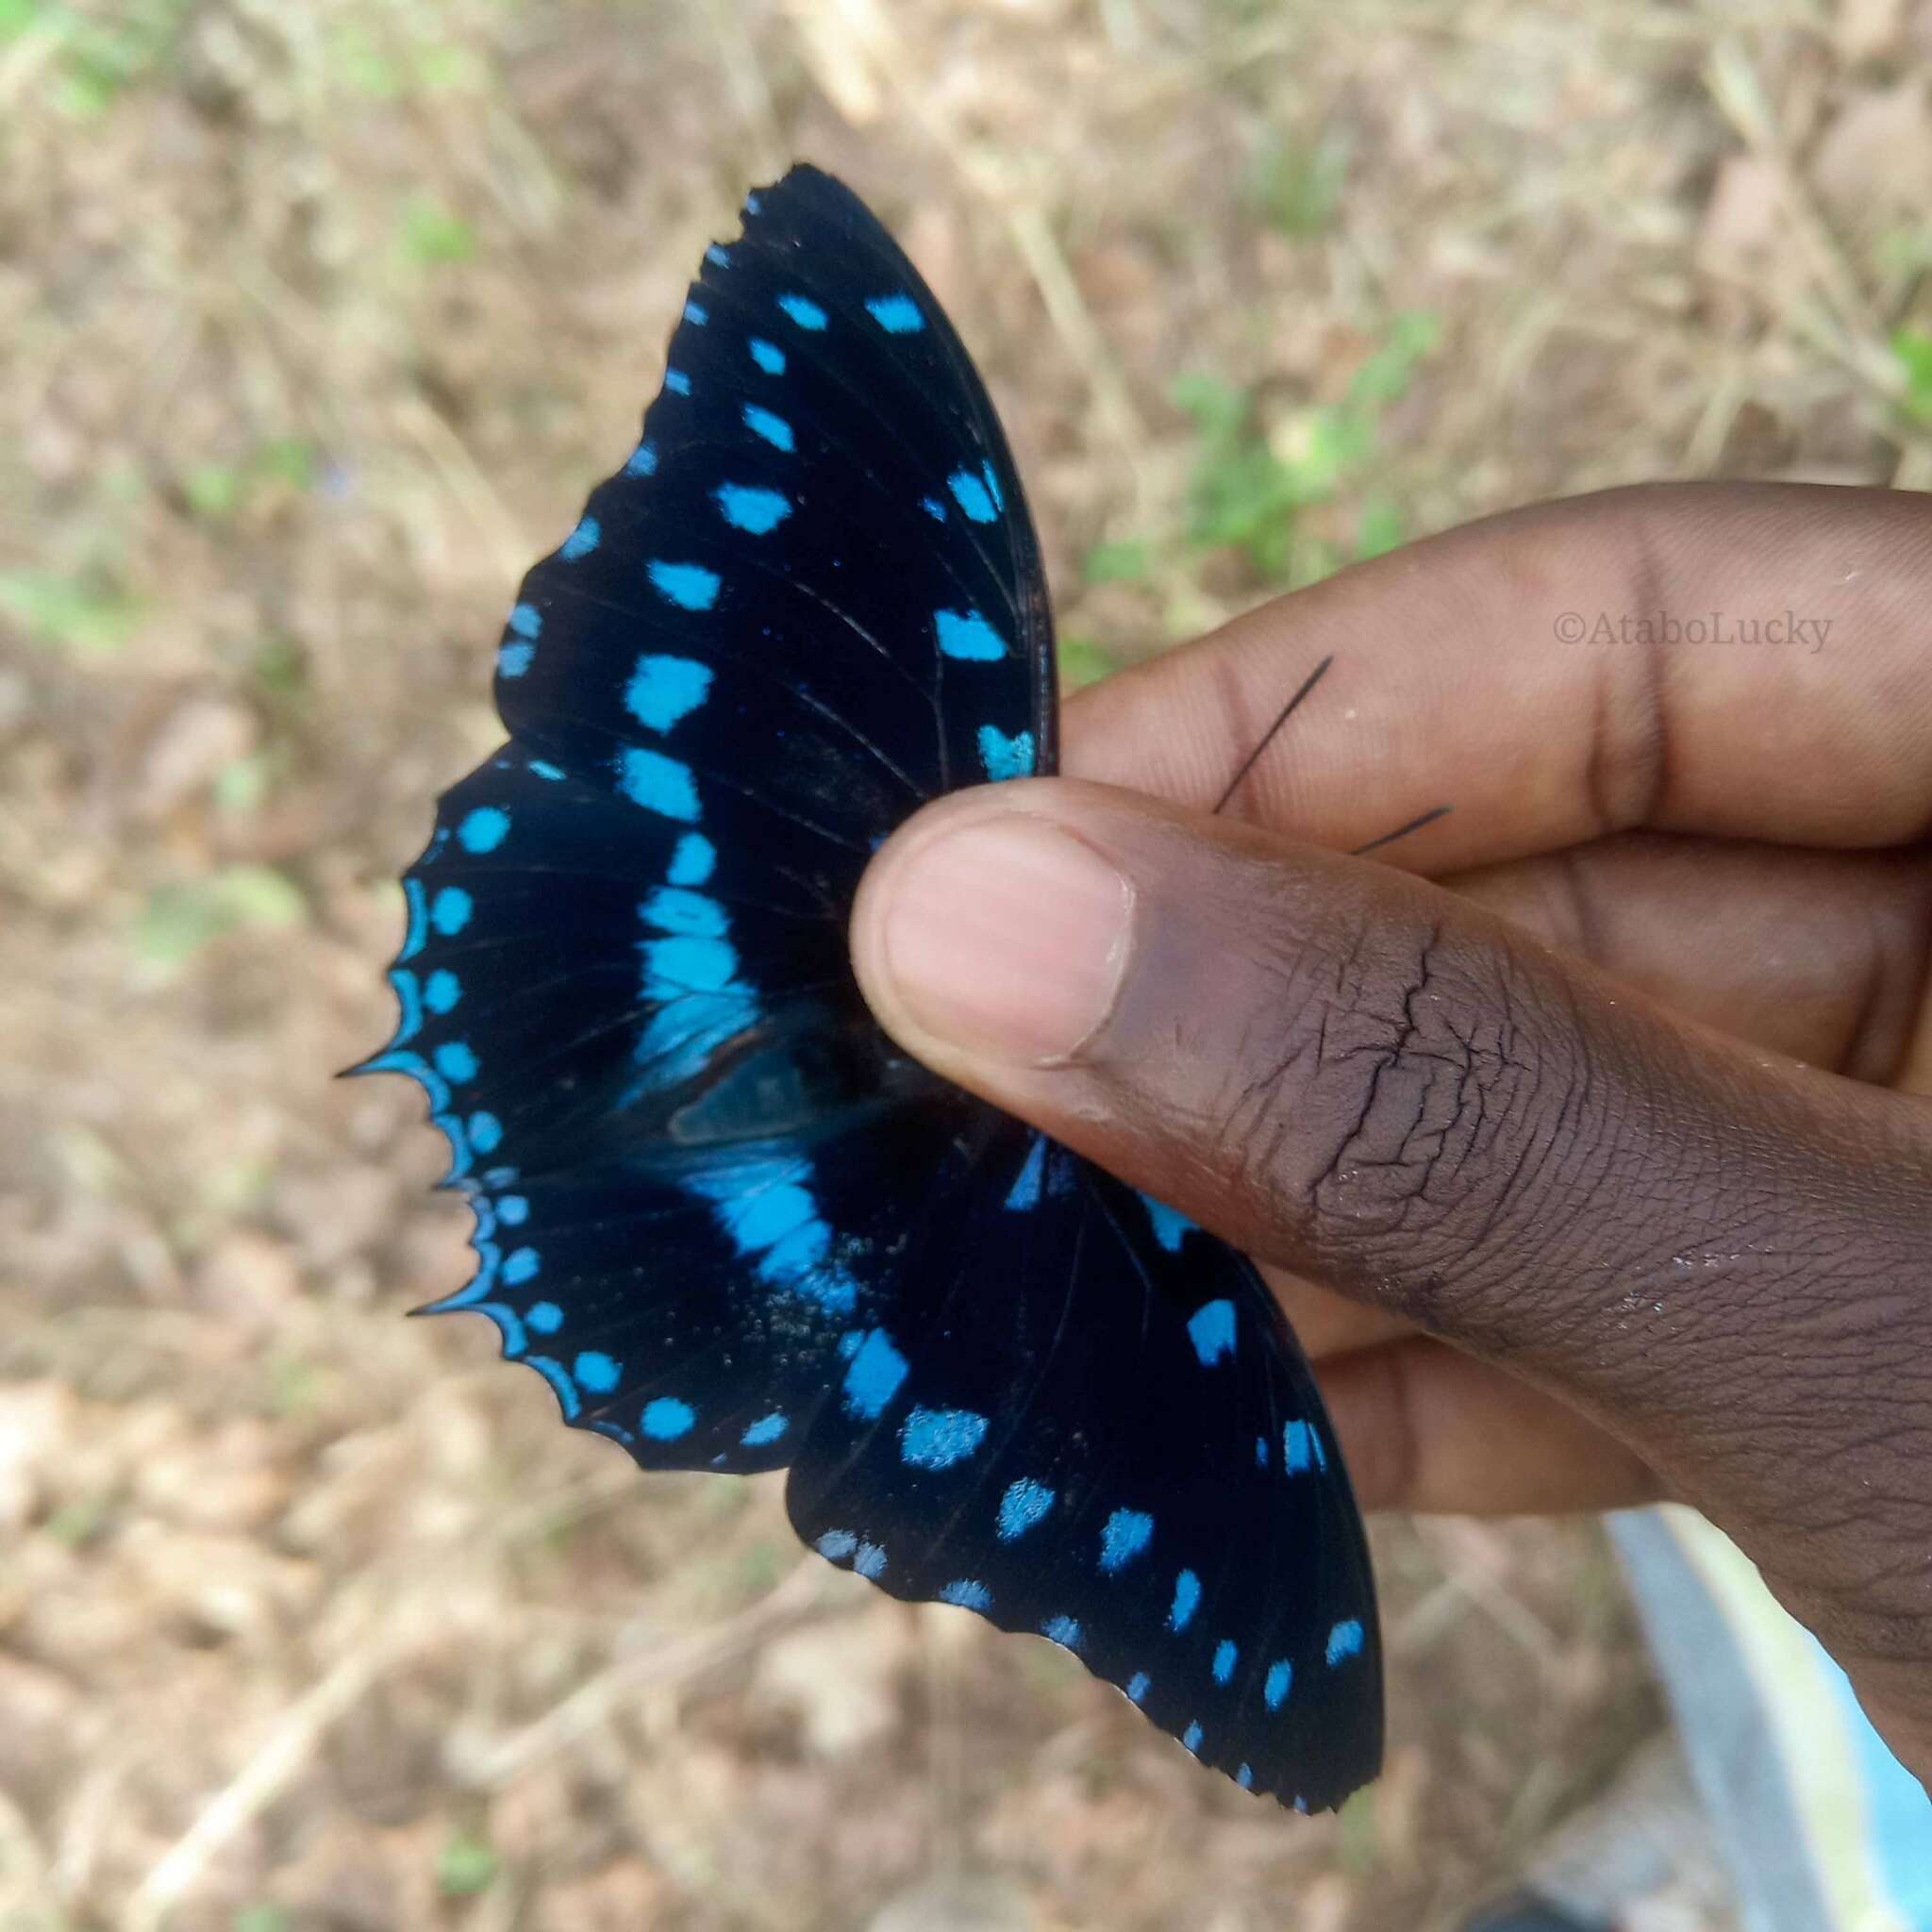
(713, 1203)
(1129, 1457)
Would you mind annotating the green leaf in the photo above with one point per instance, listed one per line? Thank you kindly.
(178, 921)
(213, 490)
(1381, 529)
(82, 614)
(1082, 662)
(1118, 564)
(465, 1866)
(1298, 183)
(433, 236)
(288, 459)
(1912, 350)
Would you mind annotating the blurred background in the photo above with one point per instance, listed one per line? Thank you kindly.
(320, 318)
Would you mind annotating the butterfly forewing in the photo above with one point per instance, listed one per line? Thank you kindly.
(728, 1224)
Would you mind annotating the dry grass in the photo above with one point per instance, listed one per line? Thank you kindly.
(321, 316)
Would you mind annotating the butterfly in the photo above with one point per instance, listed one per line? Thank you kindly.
(716, 1209)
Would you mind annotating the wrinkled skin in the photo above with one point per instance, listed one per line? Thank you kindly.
(1586, 1134)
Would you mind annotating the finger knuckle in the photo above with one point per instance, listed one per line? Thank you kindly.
(1425, 1085)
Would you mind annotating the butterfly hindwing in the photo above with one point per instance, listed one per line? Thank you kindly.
(1127, 1458)
(716, 1209)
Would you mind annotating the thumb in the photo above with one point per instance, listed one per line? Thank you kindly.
(1356, 1075)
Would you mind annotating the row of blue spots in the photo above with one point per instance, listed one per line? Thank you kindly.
(937, 1437)
(1138, 1687)
(1187, 1600)
(1023, 1505)
(717, 257)
(595, 1371)
(513, 1210)
(1227, 1654)
(1005, 757)
(1170, 1226)
(696, 315)
(1345, 1640)
(966, 635)
(522, 1265)
(1277, 1683)
(804, 311)
(1211, 1328)
(1064, 1631)
(773, 430)
(765, 1431)
(837, 1545)
(677, 382)
(1300, 1448)
(1123, 1536)
(657, 783)
(968, 1594)
(1191, 1736)
(874, 1376)
(665, 1419)
(689, 585)
(768, 355)
(484, 829)
(664, 690)
(581, 541)
(898, 315)
(766, 1210)
(514, 655)
(643, 461)
(757, 512)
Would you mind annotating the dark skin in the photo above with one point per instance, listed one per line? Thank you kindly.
(1586, 1135)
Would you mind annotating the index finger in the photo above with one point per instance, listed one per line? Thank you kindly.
(1745, 660)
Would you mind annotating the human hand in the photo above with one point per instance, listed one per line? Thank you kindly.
(1608, 1136)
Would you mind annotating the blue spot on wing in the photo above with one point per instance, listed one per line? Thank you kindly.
(874, 1375)
(657, 783)
(1006, 756)
(1211, 1328)
(966, 635)
(1123, 1536)
(689, 585)
(757, 511)
(662, 689)
(937, 1437)
(971, 494)
(772, 428)
(898, 315)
